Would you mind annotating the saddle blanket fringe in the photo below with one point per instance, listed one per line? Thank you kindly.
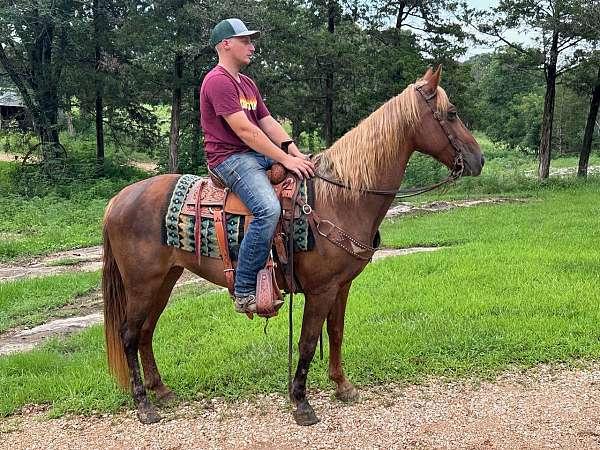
(179, 228)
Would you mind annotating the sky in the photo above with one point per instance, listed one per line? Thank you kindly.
(482, 4)
(512, 36)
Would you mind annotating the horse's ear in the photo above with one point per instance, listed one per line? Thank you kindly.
(428, 74)
(434, 80)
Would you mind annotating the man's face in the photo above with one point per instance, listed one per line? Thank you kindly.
(240, 49)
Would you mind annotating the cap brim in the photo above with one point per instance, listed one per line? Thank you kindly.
(252, 34)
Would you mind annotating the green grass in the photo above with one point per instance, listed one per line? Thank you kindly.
(32, 301)
(43, 225)
(64, 262)
(518, 286)
(52, 218)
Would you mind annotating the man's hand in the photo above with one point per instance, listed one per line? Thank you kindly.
(302, 167)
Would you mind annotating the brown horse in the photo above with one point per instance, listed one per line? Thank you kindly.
(139, 273)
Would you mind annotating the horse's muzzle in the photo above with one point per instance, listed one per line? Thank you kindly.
(473, 161)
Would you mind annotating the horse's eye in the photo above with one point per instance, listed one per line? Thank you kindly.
(452, 115)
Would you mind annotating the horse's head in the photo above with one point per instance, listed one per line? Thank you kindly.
(440, 133)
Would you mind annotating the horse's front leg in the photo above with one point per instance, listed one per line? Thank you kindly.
(344, 391)
(316, 308)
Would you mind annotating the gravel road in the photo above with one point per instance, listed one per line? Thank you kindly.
(545, 407)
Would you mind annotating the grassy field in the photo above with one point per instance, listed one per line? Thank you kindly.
(33, 301)
(59, 217)
(518, 285)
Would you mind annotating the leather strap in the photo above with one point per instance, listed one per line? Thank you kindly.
(279, 244)
(336, 235)
(198, 224)
(220, 227)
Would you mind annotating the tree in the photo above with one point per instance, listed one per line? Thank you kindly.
(439, 25)
(556, 32)
(589, 21)
(34, 38)
(590, 125)
(507, 97)
(100, 29)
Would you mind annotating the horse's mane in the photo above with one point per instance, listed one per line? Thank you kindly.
(358, 157)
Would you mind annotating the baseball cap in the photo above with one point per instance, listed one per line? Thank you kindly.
(228, 28)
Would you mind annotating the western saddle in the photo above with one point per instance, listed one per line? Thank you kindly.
(209, 198)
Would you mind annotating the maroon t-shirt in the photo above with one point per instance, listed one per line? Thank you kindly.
(221, 95)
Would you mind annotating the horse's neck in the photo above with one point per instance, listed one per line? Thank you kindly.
(362, 217)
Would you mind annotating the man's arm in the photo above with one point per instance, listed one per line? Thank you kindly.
(257, 140)
(277, 134)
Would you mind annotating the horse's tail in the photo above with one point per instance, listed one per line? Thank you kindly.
(115, 300)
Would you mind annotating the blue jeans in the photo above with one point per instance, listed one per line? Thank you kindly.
(246, 175)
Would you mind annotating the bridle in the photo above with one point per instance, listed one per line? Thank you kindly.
(458, 165)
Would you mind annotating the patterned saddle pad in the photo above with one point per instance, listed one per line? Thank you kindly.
(179, 227)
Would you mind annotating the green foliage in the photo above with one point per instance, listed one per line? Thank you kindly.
(508, 98)
(78, 178)
(423, 170)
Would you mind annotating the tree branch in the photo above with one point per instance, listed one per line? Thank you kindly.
(569, 44)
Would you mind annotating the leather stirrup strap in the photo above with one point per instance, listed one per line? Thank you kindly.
(220, 228)
(279, 244)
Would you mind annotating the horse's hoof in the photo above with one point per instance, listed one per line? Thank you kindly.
(148, 415)
(348, 396)
(305, 416)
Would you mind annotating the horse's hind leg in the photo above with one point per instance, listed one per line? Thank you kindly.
(315, 312)
(140, 298)
(152, 379)
(345, 391)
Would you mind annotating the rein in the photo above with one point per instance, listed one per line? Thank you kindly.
(456, 172)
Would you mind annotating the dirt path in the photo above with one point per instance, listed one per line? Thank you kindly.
(90, 259)
(82, 259)
(405, 208)
(546, 407)
(8, 157)
(565, 171)
(87, 311)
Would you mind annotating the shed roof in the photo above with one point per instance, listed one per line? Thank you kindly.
(9, 97)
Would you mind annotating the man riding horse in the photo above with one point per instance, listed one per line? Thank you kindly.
(242, 140)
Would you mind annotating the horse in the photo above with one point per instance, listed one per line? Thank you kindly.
(365, 165)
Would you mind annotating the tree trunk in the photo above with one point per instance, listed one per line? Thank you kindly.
(296, 130)
(197, 155)
(400, 15)
(47, 92)
(70, 127)
(548, 117)
(586, 147)
(329, 82)
(69, 113)
(175, 115)
(99, 92)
